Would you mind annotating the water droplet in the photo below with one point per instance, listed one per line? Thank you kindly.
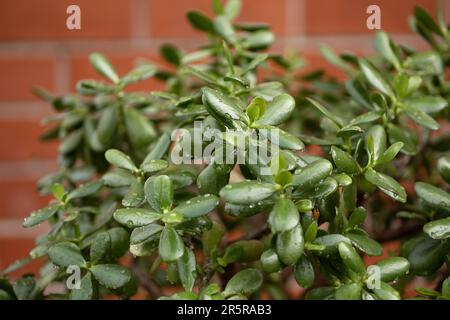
(207, 195)
(188, 202)
(251, 206)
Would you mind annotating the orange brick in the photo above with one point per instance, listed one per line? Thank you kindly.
(82, 69)
(346, 17)
(168, 18)
(19, 75)
(46, 19)
(15, 249)
(21, 141)
(20, 197)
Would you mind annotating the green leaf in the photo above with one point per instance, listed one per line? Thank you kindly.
(86, 290)
(443, 167)
(357, 217)
(41, 215)
(171, 246)
(304, 272)
(326, 113)
(200, 21)
(428, 104)
(85, 190)
(374, 77)
(119, 159)
(334, 59)
(390, 153)
(247, 192)
(100, 247)
(244, 282)
(312, 174)
(211, 238)
(258, 40)
(140, 73)
(171, 54)
(159, 148)
(278, 110)
(103, 66)
(392, 268)
(256, 109)
(270, 262)
(187, 272)
(213, 178)
(397, 134)
(375, 139)
(351, 258)
(424, 18)
(224, 29)
(223, 109)
(140, 131)
(135, 195)
(111, 276)
(159, 192)
(58, 191)
(26, 288)
(344, 161)
(365, 244)
(65, 254)
(384, 47)
(284, 215)
(351, 291)
(290, 245)
(386, 292)
(282, 138)
(243, 251)
(135, 217)
(311, 232)
(427, 256)
(433, 196)
(197, 206)
(330, 243)
(421, 118)
(438, 229)
(143, 233)
(386, 184)
(232, 9)
(151, 166)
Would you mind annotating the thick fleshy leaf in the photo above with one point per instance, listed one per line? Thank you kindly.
(433, 196)
(143, 233)
(278, 110)
(187, 272)
(41, 215)
(135, 195)
(85, 190)
(397, 134)
(247, 192)
(135, 217)
(392, 268)
(223, 109)
(383, 46)
(386, 292)
(421, 118)
(65, 254)
(351, 258)
(223, 27)
(390, 153)
(118, 178)
(438, 229)
(386, 184)
(427, 256)
(86, 290)
(140, 73)
(107, 125)
(197, 206)
(200, 21)
(351, 291)
(103, 66)
(244, 282)
(119, 159)
(443, 166)
(243, 251)
(171, 246)
(428, 104)
(312, 174)
(270, 262)
(344, 161)
(284, 215)
(375, 139)
(365, 244)
(111, 276)
(374, 77)
(159, 192)
(304, 272)
(140, 131)
(326, 113)
(100, 247)
(290, 245)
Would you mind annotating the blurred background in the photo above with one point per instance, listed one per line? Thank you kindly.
(36, 49)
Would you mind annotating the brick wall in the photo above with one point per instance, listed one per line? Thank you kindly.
(37, 49)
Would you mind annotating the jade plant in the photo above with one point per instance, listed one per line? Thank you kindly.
(210, 189)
